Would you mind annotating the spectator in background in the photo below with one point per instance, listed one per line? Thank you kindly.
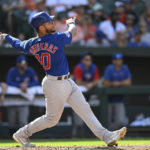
(89, 30)
(146, 17)
(91, 3)
(86, 75)
(110, 27)
(120, 9)
(116, 75)
(101, 39)
(121, 40)
(145, 35)
(21, 77)
(12, 7)
(97, 14)
(137, 41)
(40, 6)
(3, 92)
(130, 25)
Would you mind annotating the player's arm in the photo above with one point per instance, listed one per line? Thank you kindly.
(71, 25)
(34, 79)
(16, 43)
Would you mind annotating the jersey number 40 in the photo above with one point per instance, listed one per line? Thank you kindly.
(44, 60)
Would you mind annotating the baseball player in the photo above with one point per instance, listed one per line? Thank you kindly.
(58, 88)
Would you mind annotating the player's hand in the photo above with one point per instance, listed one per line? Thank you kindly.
(2, 36)
(89, 86)
(70, 21)
(116, 83)
(24, 87)
(2, 97)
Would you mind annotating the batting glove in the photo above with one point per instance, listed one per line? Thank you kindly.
(2, 36)
(71, 21)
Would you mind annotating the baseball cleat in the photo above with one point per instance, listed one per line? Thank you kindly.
(22, 140)
(114, 136)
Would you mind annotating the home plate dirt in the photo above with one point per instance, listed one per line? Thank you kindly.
(143, 147)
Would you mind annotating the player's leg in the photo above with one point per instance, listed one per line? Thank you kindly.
(119, 115)
(82, 108)
(12, 117)
(23, 112)
(56, 94)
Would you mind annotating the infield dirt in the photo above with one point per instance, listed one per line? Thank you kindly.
(143, 147)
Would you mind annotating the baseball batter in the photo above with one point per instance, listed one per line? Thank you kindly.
(58, 88)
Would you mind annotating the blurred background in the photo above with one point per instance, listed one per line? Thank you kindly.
(108, 58)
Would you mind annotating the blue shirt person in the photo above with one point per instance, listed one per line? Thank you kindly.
(22, 76)
(117, 74)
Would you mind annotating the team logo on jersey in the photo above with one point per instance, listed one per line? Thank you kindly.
(87, 75)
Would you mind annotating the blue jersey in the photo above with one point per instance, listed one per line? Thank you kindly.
(48, 50)
(111, 74)
(14, 78)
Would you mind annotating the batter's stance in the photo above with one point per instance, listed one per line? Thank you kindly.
(58, 88)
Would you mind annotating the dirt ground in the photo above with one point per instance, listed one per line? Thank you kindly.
(144, 147)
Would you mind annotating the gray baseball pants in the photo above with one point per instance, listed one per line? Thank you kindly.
(57, 93)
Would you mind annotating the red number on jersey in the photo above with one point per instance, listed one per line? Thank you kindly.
(45, 57)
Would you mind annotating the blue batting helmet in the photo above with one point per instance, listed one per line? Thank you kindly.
(40, 18)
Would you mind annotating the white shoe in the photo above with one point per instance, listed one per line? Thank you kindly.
(113, 137)
(22, 140)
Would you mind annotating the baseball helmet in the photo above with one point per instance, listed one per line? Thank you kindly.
(39, 19)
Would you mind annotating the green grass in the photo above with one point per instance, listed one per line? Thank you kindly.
(77, 142)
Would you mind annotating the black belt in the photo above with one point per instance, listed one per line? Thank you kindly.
(65, 77)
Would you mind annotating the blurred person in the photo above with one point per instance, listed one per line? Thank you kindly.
(145, 35)
(30, 4)
(97, 14)
(11, 7)
(116, 75)
(128, 9)
(137, 41)
(146, 17)
(120, 9)
(131, 26)
(89, 30)
(3, 92)
(110, 27)
(21, 77)
(91, 3)
(40, 6)
(101, 40)
(86, 75)
(121, 40)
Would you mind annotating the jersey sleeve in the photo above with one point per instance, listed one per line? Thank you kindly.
(34, 78)
(96, 74)
(107, 74)
(65, 37)
(19, 45)
(78, 73)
